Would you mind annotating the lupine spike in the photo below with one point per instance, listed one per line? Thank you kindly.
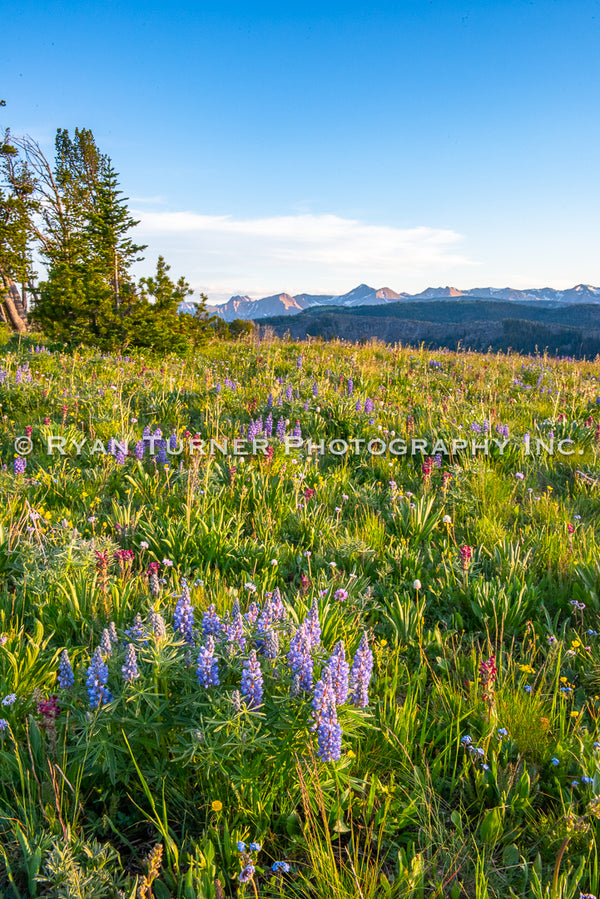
(360, 674)
(65, 675)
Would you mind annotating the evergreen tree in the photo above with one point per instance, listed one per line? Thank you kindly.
(90, 252)
(17, 207)
(76, 216)
(154, 321)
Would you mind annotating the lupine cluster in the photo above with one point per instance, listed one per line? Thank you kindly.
(208, 667)
(97, 680)
(183, 617)
(325, 721)
(65, 677)
(252, 681)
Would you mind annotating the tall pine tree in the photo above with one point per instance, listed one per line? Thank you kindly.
(89, 264)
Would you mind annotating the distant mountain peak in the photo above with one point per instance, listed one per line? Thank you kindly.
(363, 295)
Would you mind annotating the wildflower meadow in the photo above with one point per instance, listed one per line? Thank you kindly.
(310, 620)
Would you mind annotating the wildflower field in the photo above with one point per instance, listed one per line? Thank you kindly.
(349, 649)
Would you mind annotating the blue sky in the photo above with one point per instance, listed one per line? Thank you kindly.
(310, 147)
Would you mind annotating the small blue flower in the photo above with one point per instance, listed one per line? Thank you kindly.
(466, 739)
(527, 688)
(502, 732)
(241, 847)
(3, 725)
(254, 847)
(555, 761)
(587, 780)
(280, 866)
(485, 767)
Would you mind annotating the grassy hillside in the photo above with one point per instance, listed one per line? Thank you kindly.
(476, 324)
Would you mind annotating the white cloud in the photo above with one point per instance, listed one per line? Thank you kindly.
(298, 253)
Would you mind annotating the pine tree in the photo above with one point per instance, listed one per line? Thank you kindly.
(17, 207)
(76, 216)
(155, 322)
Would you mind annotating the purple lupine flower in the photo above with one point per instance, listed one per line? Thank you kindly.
(120, 455)
(289, 394)
(269, 425)
(130, 669)
(252, 681)
(137, 631)
(277, 603)
(368, 405)
(300, 656)
(105, 643)
(314, 628)
(281, 429)
(211, 623)
(111, 446)
(173, 440)
(112, 632)
(339, 670)
(299, 362)
(270, 401)
(358, 407)
(263, 622)
(350, 386)
(65, 677)
(208, 666)
(270, 645)
(297, 430)
(329, 731)
(183, 617)
(280, 399)
(322, 694)
(96, 681)
(161, 456)
(252, 613)
(360, 674)
(140, 448)
(235, 629)
(20, 464)
(315, 389)
(306, 406)
(157, 624)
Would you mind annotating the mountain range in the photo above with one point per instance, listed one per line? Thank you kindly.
(245, 307)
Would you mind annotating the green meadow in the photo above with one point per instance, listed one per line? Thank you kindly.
(309, 620)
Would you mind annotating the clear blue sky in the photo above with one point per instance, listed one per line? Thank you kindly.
(303, 147)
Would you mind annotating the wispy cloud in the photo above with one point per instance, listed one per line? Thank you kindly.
(224, 255)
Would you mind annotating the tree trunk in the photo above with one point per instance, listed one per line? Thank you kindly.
(12, 304)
